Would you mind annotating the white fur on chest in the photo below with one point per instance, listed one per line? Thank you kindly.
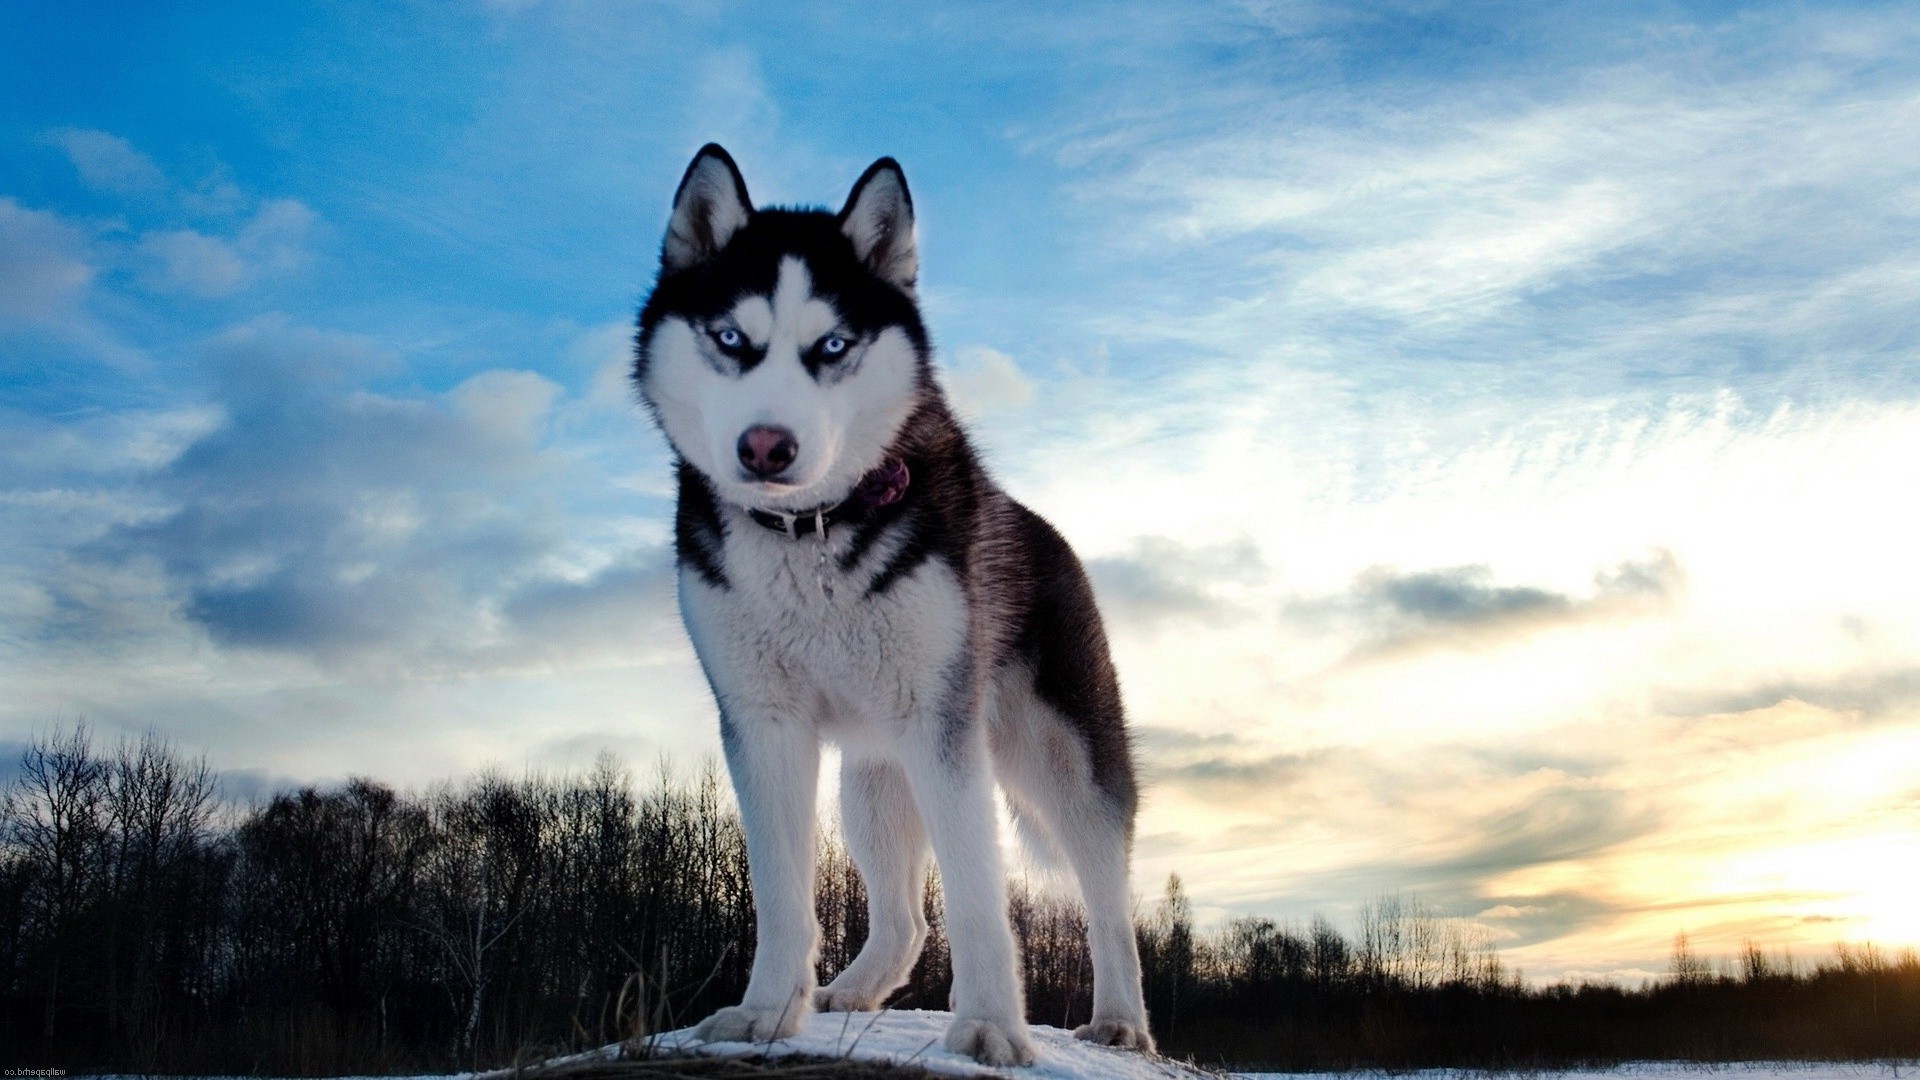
(858, 666)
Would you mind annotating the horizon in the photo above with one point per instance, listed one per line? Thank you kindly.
(1490, 433)
(240, 798)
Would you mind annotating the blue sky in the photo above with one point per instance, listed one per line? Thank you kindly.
(1491, 427)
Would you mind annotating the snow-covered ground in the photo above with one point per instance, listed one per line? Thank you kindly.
(912, 1036)
(909, 1036)
(1640, 1071)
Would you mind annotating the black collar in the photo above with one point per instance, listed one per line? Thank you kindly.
(805, 522)
(884, 486)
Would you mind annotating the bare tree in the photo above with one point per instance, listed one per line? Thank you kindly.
(158, 809)
(1684, 966)
(58, 811)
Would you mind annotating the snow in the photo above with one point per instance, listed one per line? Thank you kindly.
(1644, 1071)
(912, 1036)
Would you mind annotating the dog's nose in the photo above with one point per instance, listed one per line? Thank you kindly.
(766, 451)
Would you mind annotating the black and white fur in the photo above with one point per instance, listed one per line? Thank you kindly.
(946, 641)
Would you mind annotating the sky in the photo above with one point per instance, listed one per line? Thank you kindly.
(1492, 430)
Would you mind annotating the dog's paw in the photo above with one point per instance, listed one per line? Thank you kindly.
(991, 1042)
(847, 999)
(1125, 1034)
(751, 1023)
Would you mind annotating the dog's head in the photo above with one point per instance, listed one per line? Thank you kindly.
(781, 350)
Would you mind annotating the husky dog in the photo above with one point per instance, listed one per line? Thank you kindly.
(848, 572)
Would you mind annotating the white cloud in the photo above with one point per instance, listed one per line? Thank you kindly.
(44, 264)
(183, 260)
(735, 108)
(512, 405)
(607, 351)
(303, 552)
(983, 380)
(110, 163)
(270, 245)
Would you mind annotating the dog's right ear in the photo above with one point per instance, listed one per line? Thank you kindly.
(709, 208)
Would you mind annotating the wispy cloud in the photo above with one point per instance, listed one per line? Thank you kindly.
(109, 163)
(1724, 206)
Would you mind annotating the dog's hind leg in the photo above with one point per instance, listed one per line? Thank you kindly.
(946, 766)
(1046, 770)
(1096, 844)
(889, 845)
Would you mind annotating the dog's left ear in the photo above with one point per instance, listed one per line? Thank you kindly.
(878, 218)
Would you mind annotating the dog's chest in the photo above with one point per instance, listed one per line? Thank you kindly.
(790, 622)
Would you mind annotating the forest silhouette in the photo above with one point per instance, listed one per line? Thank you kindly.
(149, 924)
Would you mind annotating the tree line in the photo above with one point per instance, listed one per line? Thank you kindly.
(147, 924)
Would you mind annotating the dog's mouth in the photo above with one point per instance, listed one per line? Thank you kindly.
(769, 487)
(771, 493)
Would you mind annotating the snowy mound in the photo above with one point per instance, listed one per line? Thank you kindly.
(912, 1036)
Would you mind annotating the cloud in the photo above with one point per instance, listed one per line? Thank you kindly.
(1222, 765)
(1462, 607)
(302, 518)
(512, 406)
(1471, 833)
(1570, 821)
(1612, 221)
(1324, 829)
(1544, 917)
(1267, 775)
(1157, 738)
(625, 601)
(1460, 597)
(983, 380)
(1870, 694)
(109, 163)
(336, 523)
(188, 261)
(1157, 580)
(735, 107)
(607, 351)
(45, 267)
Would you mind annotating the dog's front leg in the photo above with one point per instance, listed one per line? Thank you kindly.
(945, 759)
(775, 763)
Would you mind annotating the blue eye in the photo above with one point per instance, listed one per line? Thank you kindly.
(833, 345)
(729, 338)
